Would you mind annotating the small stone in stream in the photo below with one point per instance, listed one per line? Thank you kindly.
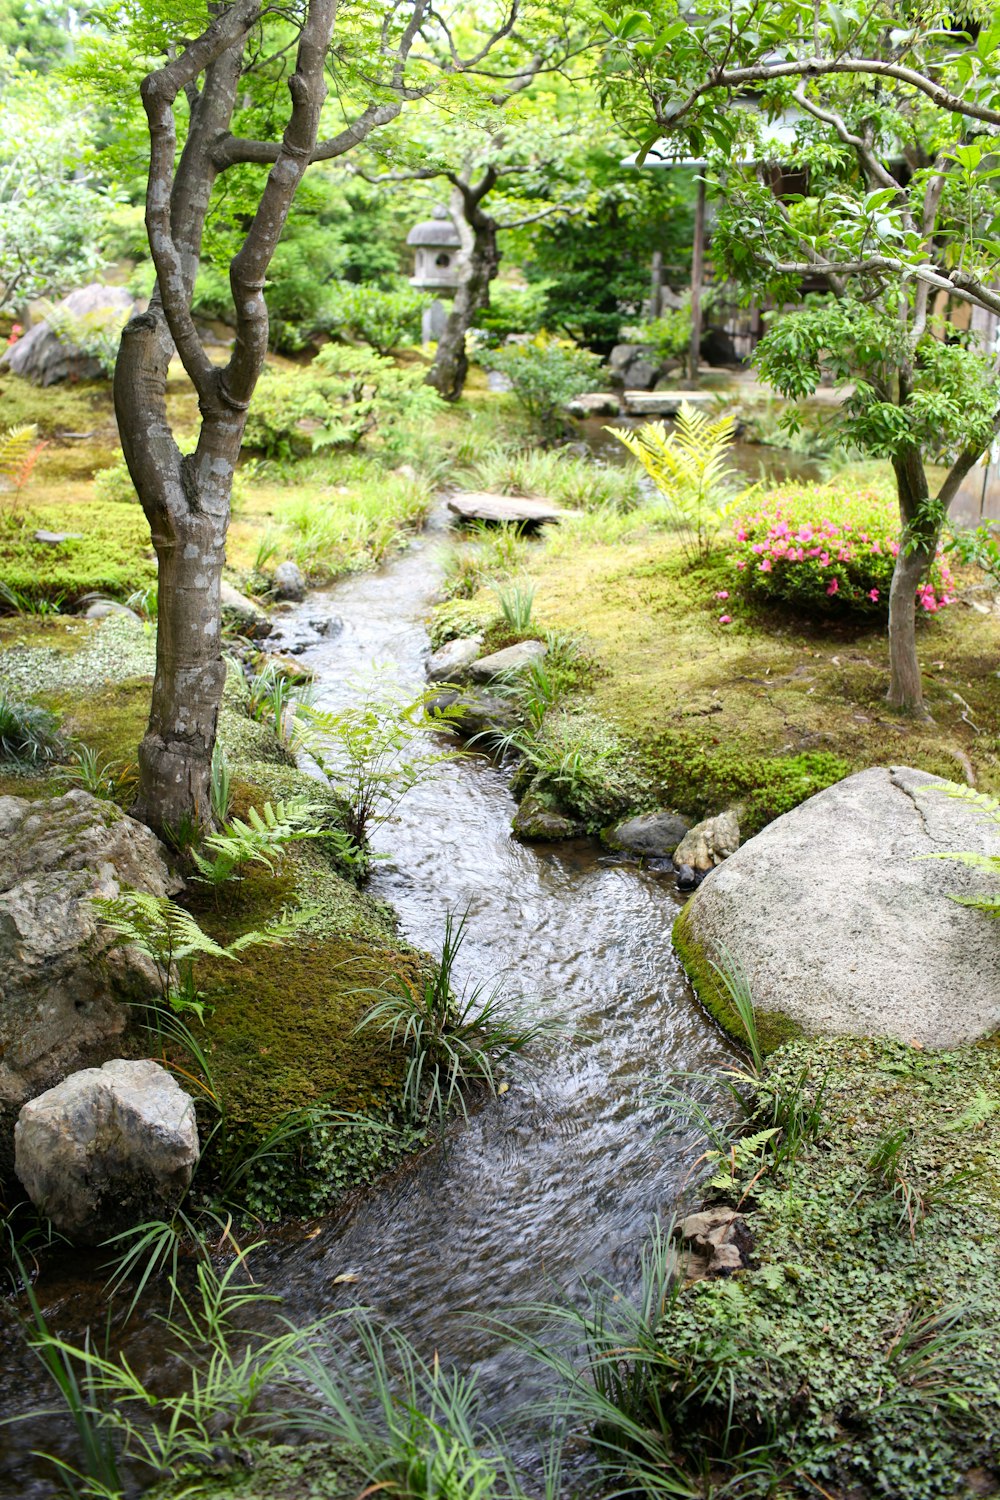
(107, 1149)
(511, 659)
(512, 510)
(242, 614)
(56, 538)
(451, 661)
(688, 879)
(535, 821)
(284, 666)
(288, 582)
(650, 836)
(708, 843)
(102, 608)
(473, 714)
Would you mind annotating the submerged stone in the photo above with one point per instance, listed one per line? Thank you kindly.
(649, 836)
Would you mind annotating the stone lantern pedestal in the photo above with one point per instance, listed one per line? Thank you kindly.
(437, 244)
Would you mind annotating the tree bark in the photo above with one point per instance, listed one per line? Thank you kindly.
(480, 264)
(918, 547)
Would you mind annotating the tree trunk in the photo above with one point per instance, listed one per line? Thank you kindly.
(918, 547)
(481, 261)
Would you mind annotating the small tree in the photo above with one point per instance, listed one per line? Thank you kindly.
(888, 120)
(227, 76)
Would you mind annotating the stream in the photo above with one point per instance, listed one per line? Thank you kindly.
(561, 1177)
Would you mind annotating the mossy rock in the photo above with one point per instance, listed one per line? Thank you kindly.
(773, 1029)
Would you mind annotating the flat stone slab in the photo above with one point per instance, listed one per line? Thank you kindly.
(512, 509)
(56, 538)
(842, 927)
(666, 403)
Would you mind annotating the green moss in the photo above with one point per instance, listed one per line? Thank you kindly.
(57, 408)
(277, 1471)
(859, 1352)
(112, 555)
(111, 720)
(773, 1028)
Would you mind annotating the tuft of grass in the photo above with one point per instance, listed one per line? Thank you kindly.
(28, 734)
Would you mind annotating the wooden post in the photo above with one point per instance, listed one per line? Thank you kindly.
(656, 286)
(697, 276)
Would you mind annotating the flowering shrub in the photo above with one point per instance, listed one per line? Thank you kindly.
(830, 548)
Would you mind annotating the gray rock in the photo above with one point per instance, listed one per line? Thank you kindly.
(107, 1148)
(708, 843)
(56, 538)
(296, 633)
(511, 659)
(102, 608)
(538, 821)
(62, 982)
(840, 925)
(451, 662)
(242, 615)
(45, 357)
(475, 714)
(595, 404)
(717, 1242)
(650, 836)
(510, 510)
(642, 375)
(288, 582)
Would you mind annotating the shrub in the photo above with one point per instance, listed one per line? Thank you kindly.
(342, 397)
(830, 548)
(383, 320)
(512, 309)
(545, 374)
(669, 336)
(689, 469)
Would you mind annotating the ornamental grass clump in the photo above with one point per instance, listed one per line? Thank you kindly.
(828, 548)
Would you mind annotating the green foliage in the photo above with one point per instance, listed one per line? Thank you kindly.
(829, 549)
(375, 751)
(382, 319)
(222, 785)
(173, 940)
(556, 475)
(583, 765)
(27, 733)
(454, 1042)
(261, 839)
(513, 310)
(952, 400)
(689, 469)
(669, 336)
(111, 781)
(545, 374)
(344, 396)
(990, 809)
(516, 603)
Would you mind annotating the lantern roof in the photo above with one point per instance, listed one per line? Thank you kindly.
(438, 230)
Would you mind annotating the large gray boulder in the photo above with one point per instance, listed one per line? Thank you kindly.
(48, 352)
(62, 982)
(842, 928)
(107, 1149)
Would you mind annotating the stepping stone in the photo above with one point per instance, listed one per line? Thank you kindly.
(513, 509)
(56, 538)
(667, 403)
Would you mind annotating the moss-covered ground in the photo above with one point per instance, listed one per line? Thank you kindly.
(279, 1033)
(858, 1355)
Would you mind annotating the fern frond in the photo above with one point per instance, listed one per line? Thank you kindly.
(16, 447)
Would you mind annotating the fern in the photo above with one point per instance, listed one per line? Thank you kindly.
(261, 840)
(689, 469)
(990, 808)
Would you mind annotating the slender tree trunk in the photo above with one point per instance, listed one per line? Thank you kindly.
(918, 547)
(480, 263)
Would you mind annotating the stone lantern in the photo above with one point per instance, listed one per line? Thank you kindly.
(438, 246)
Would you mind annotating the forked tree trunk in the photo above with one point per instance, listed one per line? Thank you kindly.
(480, 264)
(918, 547)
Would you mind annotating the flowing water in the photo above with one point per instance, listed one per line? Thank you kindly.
(559, 1178)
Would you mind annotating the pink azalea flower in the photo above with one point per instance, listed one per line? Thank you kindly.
(873, 595)
(765, 566)
(725, 619)
(722, 594)
(832, 586)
